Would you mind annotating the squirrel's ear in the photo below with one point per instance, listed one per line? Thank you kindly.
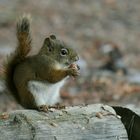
(47, 43)
(53, 37)
(47, 39)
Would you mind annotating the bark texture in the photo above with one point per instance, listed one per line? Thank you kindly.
(92, 122)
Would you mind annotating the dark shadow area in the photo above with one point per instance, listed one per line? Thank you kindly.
(131, 122)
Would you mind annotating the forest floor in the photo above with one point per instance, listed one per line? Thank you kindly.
(88, 26)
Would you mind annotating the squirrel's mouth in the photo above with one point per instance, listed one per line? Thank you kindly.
(69, 62)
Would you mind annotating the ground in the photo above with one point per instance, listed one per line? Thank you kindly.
(81, 24)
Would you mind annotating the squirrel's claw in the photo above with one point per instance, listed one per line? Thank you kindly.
(43, 108)
(73, 72)
(58, 106)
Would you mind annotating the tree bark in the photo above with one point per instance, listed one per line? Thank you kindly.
(91, 122)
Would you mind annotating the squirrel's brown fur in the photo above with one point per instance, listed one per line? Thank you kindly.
(36, 80)
(20, 53)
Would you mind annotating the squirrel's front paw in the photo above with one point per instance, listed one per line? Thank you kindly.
(73, 71)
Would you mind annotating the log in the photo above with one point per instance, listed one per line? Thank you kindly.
(91, 122)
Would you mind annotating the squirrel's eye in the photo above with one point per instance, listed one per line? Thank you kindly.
(64, 52)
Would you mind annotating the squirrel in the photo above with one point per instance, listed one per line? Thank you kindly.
(35, 81)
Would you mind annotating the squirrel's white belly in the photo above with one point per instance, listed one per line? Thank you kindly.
(45, 93)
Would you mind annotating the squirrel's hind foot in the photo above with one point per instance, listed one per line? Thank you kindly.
(58, 106)
(46, 108)
(43, 108)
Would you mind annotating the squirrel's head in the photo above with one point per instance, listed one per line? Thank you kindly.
(59, 51)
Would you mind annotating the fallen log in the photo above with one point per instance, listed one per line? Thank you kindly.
(91, 122)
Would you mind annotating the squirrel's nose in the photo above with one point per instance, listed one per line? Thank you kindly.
(76, 58)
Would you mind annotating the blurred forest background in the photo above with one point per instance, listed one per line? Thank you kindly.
(105, 33)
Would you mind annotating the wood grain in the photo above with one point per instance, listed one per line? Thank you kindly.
(92, 122)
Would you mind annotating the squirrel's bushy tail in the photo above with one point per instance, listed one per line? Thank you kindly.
(23, 36)
(23, 48)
